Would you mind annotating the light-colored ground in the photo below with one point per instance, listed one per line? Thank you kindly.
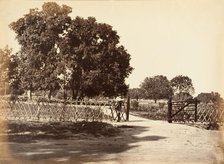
(141, 141)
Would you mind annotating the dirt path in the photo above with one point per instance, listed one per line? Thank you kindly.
(140, 141)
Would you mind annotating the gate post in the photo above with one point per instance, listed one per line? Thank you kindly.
(128, 108)
(196, 111)
(169, 115)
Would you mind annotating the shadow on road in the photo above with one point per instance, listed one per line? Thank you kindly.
(73, 142)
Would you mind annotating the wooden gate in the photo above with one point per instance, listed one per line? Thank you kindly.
(193, 111)
(182, 111)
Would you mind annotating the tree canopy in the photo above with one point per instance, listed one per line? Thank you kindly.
(79, 54)
(182, 84)
(157, 87)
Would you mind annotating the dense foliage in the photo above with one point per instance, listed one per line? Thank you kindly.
(182, 96)
(157, 87)
(4, 62)
(182, 84)
(212, 97)
(76, 54)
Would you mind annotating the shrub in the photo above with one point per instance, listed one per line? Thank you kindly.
(42, 99)
(60, 95)
(134, 105)
(162, 104)
(13, 98)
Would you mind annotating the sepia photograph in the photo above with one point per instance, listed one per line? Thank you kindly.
(112, 82)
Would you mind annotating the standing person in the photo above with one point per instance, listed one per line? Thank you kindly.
(118, 106)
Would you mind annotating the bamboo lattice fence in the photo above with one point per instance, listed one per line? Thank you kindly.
(56, 111)
(193, 111)
(210, 112)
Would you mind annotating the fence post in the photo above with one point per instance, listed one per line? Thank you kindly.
(128, 108)
(196, 111)
(169, 111)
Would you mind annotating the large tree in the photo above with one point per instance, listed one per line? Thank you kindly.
(182, 84)
(80, 53)
(157, 87)
(38, 33)
(98, 64)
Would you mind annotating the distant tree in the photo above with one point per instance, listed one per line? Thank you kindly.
(4, 63)
(157, 87)
(80, 54)
(204, 97)
(182, 96)
(216, 97)
(209, 97)
(182, 84)
(135, 93)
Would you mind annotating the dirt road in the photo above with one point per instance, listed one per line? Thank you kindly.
(140, 141)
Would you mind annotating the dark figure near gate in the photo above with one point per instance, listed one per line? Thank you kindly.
(118, 106)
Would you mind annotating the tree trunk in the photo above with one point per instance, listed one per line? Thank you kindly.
(29, 94)
(74, 93)
(81, 96)
(5, 89)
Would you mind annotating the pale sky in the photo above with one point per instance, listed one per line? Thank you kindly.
(163, 37)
